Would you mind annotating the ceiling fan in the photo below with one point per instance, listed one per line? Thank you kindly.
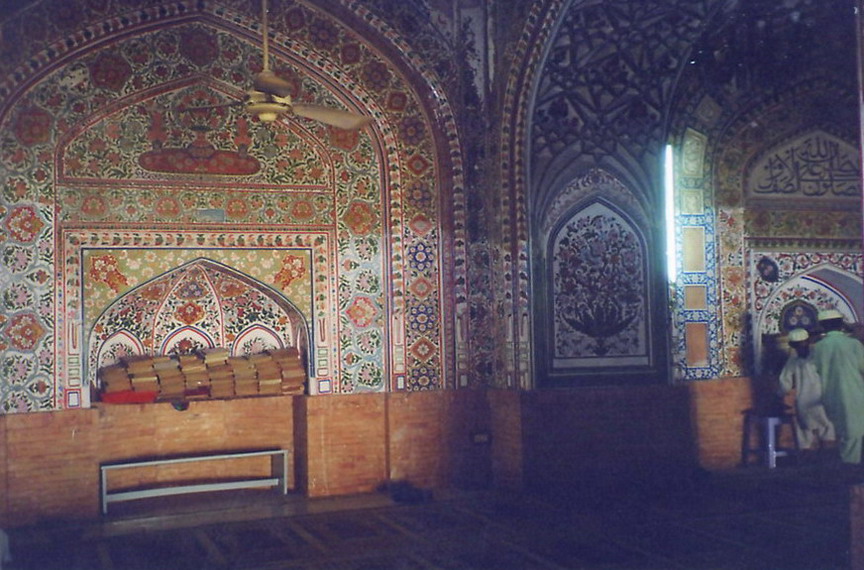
(270, 96)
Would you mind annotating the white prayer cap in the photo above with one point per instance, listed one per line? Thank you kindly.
(829, 314)
(798, 335)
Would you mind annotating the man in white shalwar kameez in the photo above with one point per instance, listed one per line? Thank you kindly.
(799, 374)
(839, 361)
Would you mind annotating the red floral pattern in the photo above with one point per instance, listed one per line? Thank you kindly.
(295, 19)
(351, 54)
(229, 289)
(24, 331)
(33, 126)
(397, 101)
(376, 75)
(199, 47)
(24, 224)
(94, 206)
(189, 313)
(418, 164)
(168, 207)
(293, 268)
(154, 292)
(302, 210)
(362, 312)
(346, 140)
(103, 269)
(236, 209)
(421, 225)
(360, 218)
(110, 71)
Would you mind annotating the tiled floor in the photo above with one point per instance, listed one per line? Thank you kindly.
(794, 517)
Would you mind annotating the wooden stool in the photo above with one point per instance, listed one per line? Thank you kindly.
(769, 426)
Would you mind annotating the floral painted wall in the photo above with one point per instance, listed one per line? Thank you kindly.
(599, 101)
(595, 275)
(199, 305)
(129, 158)
(598, 275)
(798, 231)
(789, 288)
(608, 85)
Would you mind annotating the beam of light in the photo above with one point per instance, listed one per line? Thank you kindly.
(669, 200)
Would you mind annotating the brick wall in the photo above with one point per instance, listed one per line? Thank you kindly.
(342, 446)
(351, 443)
(716, 412)
(603, 434)
(52, 470)
(146, 430)
(507, 443)
(52, 467)
(469, 439)
(418, 437)
(354, 442)
(345, 442)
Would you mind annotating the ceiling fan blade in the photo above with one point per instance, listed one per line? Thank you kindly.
(208, 107)
(269, 82)
(334, 117)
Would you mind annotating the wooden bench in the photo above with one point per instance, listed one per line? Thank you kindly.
(279, 476)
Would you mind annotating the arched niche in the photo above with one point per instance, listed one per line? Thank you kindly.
(366, 202)
(594, 300)
(597, 290)
(201, 304)
(824, 286)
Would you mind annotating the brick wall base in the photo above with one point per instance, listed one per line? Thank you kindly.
(49, 462)
(52, 458)
(554, 438)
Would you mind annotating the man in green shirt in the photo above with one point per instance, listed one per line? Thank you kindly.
(839, 359)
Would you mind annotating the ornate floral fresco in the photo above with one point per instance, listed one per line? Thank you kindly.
(137, 276)
(598, 290)
(740, 222)
(585, 106)
(598, 107)
(820, 224)
(197, 306)
(424, 246)
(595, 271)
(112, 176)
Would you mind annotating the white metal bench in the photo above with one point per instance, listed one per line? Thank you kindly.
(278, 478)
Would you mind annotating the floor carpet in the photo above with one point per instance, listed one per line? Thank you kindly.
(788, 518)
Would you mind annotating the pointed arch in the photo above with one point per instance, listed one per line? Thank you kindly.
(594, 295)
(597, 290)
(825, 286)
(200, 304)
(120, 344)
(186, 339)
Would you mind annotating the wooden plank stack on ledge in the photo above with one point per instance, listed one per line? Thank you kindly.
(212, 374)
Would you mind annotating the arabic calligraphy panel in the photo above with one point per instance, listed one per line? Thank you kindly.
(816, 167)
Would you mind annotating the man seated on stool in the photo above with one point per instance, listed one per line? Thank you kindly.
(799, 374)
(839, 361)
